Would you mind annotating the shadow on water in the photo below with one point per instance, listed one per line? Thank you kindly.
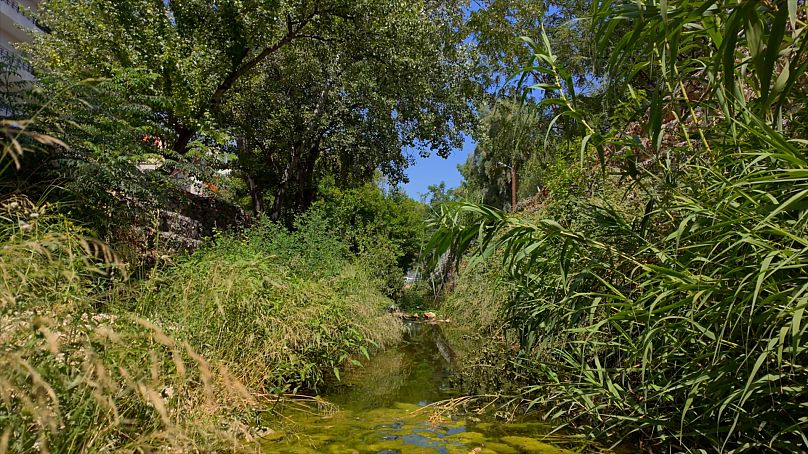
(377, 410)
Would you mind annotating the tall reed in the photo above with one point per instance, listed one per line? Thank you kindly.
(682, 325)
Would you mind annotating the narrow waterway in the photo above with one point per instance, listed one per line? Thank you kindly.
(377, 410)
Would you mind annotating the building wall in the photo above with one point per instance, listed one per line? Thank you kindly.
(16, 27)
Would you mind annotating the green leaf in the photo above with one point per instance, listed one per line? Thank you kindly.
(767, 68)
(787, 205)
(792, 13)
(782, 80)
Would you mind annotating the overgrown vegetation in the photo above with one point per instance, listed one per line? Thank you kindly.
(285, 310)
(185, 357)
(77, 377)
(651, 290)
(255, 100)
(181, 359)
(665, 304)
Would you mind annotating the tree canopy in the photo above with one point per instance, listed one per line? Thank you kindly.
(294, 89)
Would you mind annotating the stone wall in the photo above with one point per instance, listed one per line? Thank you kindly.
(188, 218)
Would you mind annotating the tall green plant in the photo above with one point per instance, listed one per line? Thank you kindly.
(76, 378)
(684, 324)
(688, 336)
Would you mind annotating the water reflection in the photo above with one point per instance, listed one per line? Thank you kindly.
(378, 404)
(415, 372)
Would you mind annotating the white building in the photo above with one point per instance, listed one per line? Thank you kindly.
(16, 26)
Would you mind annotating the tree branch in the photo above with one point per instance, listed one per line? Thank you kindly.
(292, 33)
(322, 38)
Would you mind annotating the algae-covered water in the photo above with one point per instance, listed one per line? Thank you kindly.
(377, 410)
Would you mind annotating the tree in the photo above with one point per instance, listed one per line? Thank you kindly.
(296, 89)
(189, 53)
(513, 131)
(438, 194)
(497, 26)
(386, 224)
(510, 133)
(348, 106)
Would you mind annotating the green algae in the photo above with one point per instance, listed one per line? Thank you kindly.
(531, 445)
(380, 412)
(498, 448)
(469, 438)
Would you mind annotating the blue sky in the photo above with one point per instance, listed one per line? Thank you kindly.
(434, 169)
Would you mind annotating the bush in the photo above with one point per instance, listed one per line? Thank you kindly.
(386, 227)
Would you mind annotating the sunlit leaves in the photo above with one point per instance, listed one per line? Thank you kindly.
(683, 324)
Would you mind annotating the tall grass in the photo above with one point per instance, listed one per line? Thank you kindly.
(186, 359)
(693, 338)
(76, 377)
(682, 325)
(285, 310)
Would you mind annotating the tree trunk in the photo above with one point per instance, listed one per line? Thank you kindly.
(278, 204)
(307, 190)
(281, 195)
(296, 192)
(184, 136)
(257, 196)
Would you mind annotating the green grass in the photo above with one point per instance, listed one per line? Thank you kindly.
(282, 319)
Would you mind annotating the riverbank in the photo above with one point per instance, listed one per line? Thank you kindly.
(184, 358)
(601, 334)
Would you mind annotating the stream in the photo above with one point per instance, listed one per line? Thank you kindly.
(377, 410)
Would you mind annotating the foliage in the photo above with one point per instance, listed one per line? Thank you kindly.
(381, 226)
(13, 85)
(680, 323)
(368, 213)
(479, 296)
(182, 68)
(748, 56)
(496, 26)
(95, 362)
(78, 377)
(438, 194)
(397, 79)
(188, 86)
(519, 135)
(510, 136)
(414, 298)
(182, 360)
(284, 310)
(685, 337)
